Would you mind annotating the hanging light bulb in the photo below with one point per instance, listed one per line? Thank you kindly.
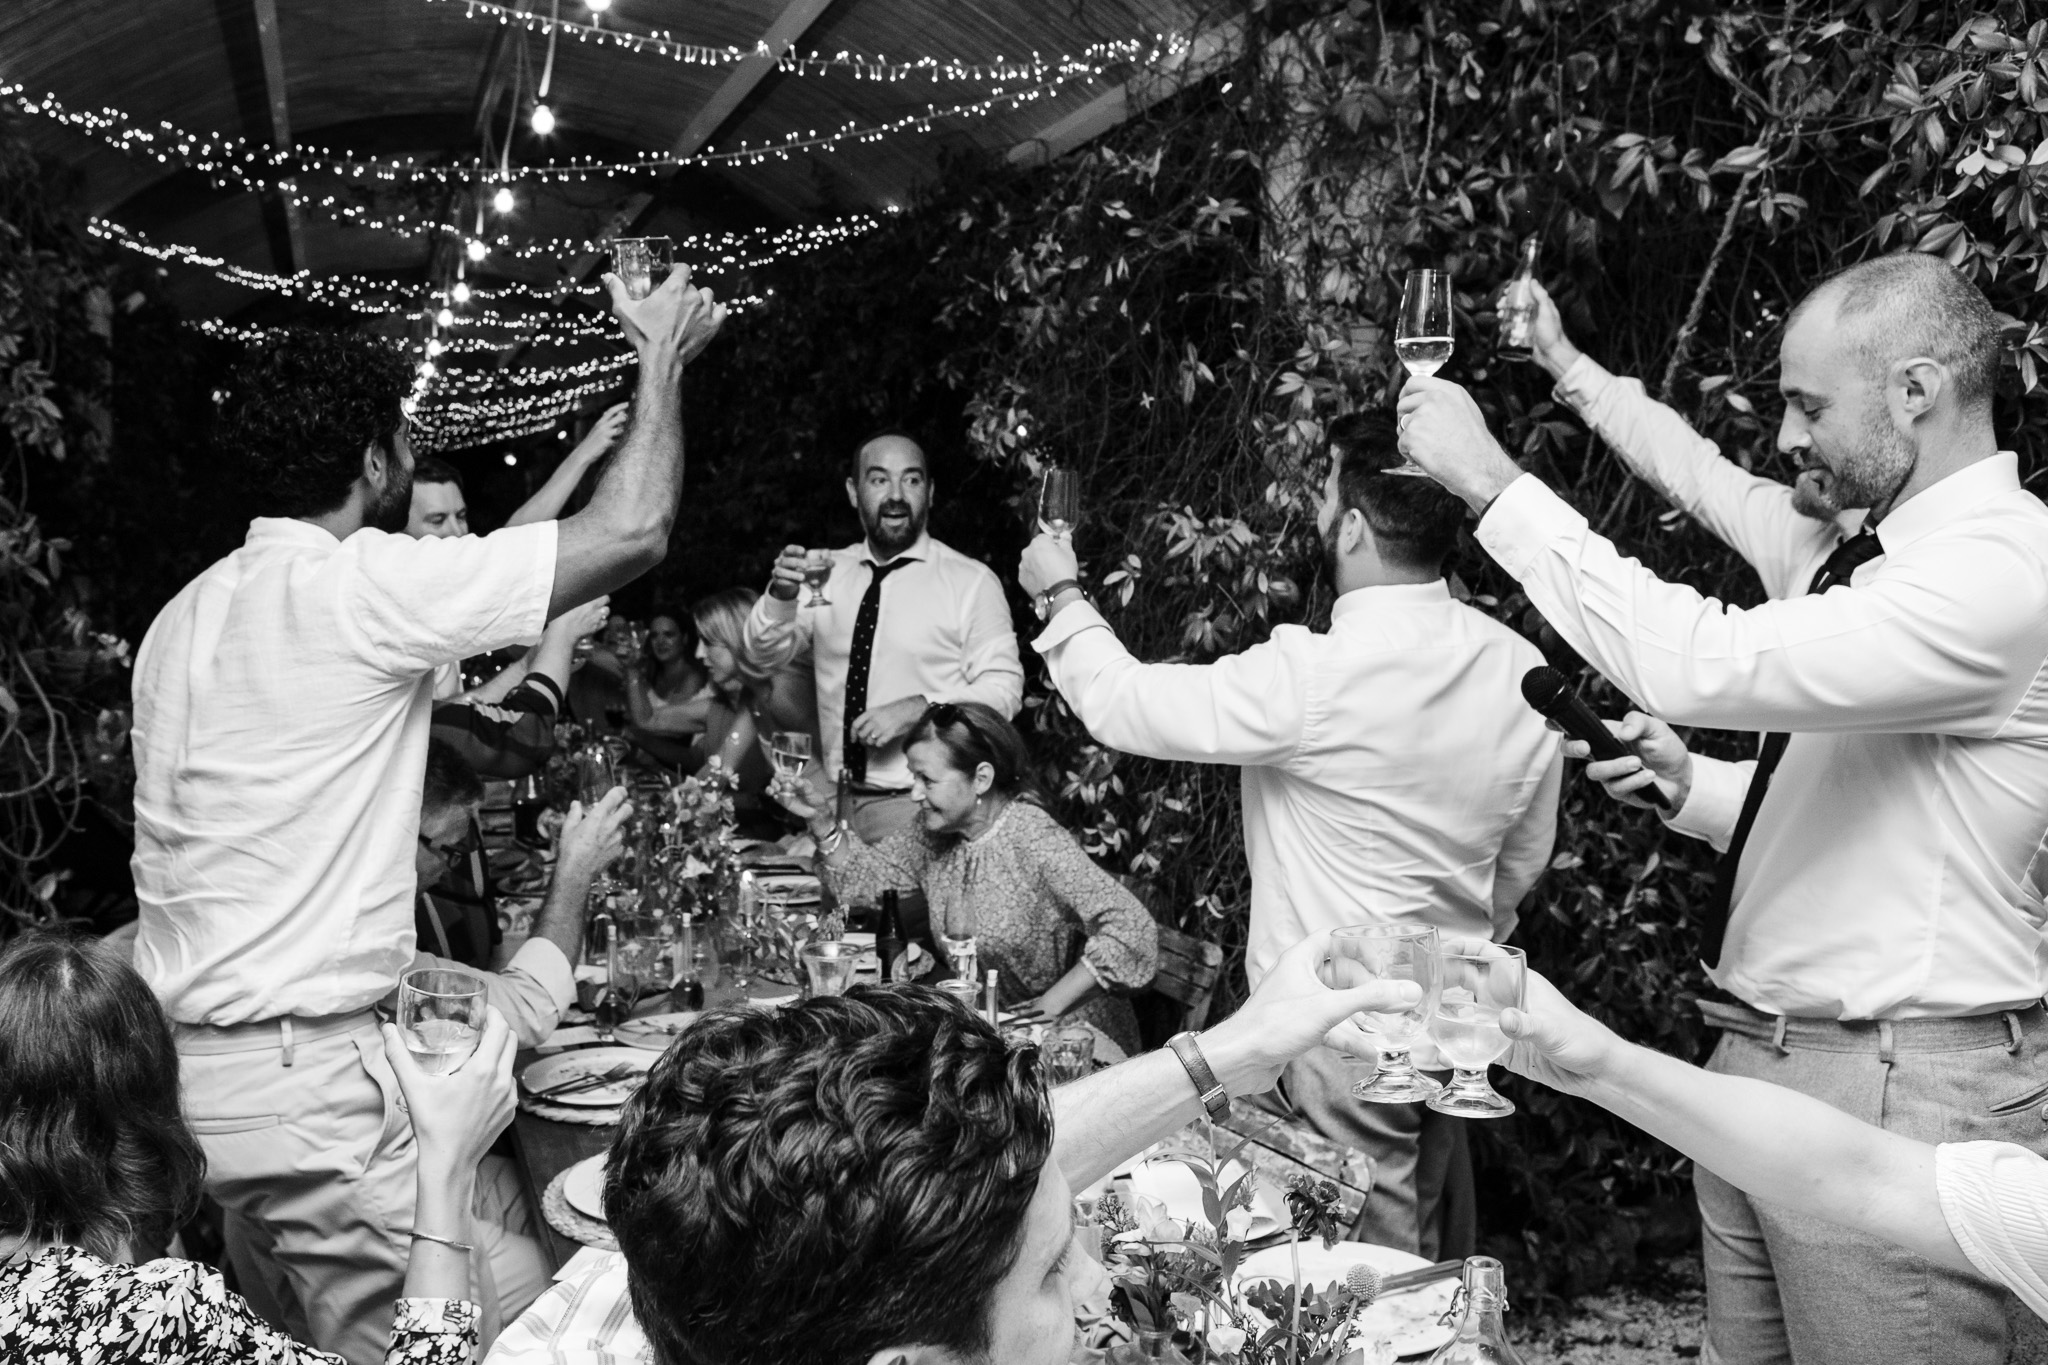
(435, 347)
(503, 201)
(445, 318)
(543, 119)
(460, 293)
(597, 6)
(426, 369)
(477, 250)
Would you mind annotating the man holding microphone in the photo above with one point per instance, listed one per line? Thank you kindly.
(1878, 932)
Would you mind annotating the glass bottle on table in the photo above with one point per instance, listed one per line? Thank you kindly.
(1481, 1337)
(889, 936)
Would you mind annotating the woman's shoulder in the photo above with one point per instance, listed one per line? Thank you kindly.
(67, 1285)
(1029, 822)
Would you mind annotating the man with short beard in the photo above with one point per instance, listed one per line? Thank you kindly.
(1392, 773)
(911, 622)
(281, 719)
(1876, 937)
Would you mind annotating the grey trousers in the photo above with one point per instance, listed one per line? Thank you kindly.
(1422, 1200)
(1784, 1286)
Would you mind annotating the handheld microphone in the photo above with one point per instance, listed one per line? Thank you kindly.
(1546, 690)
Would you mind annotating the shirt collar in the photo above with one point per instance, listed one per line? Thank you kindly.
(1383, 595)
(921, 548)
(289, 531)
(1955, 496)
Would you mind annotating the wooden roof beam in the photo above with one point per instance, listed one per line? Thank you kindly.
(1211, 51)
(272, 51)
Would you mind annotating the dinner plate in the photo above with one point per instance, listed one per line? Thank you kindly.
(589, 1061)
(1408, 1319)
(655, 1031)
(1174, 1185)
(583, 1186)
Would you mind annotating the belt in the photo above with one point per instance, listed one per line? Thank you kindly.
(260, 1035)
(1997, 1028)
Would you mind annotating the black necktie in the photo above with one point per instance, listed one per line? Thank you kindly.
(1858, 549)
(855, 755)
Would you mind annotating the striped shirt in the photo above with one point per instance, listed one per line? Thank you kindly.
(1995, 1198)
(585, 1318)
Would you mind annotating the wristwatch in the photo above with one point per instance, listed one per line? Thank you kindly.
(1042, 604)
(1214, 1098)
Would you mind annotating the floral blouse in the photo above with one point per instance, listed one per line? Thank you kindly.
(1034, 901)
(64, 1306)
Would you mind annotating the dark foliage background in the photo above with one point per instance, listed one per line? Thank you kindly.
(1175, 312)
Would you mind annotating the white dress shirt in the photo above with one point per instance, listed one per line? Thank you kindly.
(585, 1318)
(1391, 769)
(1895, 869)
(1994, 1196)
(282, 703)
(944, 632)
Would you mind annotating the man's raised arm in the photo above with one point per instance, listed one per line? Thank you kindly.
(624, 531)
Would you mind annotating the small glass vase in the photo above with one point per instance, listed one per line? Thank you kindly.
(1151, 1346)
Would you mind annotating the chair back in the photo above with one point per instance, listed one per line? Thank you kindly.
(1188, 971)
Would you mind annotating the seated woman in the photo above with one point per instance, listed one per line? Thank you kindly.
(1067, 938)
(670, 679)
(97, 1165)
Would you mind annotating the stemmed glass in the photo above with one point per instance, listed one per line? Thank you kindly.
(1059, 502)
(791, 750)
(1362, 953)
(817, 571)
(440, 1017)
(1422, 337)
(642, 263)
(1479, 980)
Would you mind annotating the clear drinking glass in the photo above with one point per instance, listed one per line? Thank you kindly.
(1477, 981)
(1362, 953)
(829, 963)
(642, 263)
(966, 992)
(1422, 337)
(965, 956)
(791, 750)
(441, 1017)
(1059, 502)
(817, 570)
(1069, 1053)
(596, 773)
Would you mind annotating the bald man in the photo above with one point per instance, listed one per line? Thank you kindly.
(1876, 939)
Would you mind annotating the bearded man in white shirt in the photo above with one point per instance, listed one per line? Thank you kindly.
(1879, 931)
(281, 720)
(1391, 769)
(910, 621)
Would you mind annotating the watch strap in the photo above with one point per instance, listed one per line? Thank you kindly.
(1214, 1098)
(1043, 602)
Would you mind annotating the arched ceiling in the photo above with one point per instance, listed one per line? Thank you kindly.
(441, 81)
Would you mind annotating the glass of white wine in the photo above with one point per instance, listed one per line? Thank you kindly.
(817, 571)
(1423, 338)
(1479, 980)
(1059, 502)
(791, 751)
(440, 1017)
(1363, 953)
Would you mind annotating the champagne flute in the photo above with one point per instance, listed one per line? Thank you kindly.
(440, 1017)
(817, 570)
(1479, 980)
(1362, 953)
(1423, 338)
(1059, 502)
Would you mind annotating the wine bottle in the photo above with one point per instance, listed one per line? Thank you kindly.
(1481, 1338)
(889, 936)
(1518, 305)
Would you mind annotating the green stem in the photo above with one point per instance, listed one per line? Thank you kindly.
(1294, 1333)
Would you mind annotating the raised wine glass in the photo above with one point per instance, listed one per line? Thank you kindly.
(1479, 980)
(440, 1017)
(1059, 502)
(1423, 338)
(817, 571)
(791, 750)
(1362, 953)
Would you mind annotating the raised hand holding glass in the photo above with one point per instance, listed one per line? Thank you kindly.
(1059, 502)
(440, 1017)
(1478, 981)
(1362, 953)
(1422, 337)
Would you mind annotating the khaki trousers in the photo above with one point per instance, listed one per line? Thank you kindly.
(313, 1160)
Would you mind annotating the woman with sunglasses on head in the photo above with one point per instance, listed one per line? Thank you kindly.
(98, 1168)
(1067, 938)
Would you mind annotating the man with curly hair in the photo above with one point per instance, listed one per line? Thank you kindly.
(282, 705)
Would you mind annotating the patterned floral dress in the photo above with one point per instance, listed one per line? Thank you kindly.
(68, 1307)
(1034, 901)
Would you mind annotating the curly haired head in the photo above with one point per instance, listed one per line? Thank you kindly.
(93, 1148)
(810, 1185)
(302, 410)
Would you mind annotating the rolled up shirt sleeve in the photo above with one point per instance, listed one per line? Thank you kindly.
(1924, 647)
(1994, 1196)
(411, 605)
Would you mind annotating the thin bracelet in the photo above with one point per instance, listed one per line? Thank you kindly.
(464, 1247)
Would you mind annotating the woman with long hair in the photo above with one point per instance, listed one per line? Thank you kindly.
(98, 1167)
(670, 672)
(1065, 937)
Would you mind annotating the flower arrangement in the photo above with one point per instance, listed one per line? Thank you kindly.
(1169, 1276)
(697, 862)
